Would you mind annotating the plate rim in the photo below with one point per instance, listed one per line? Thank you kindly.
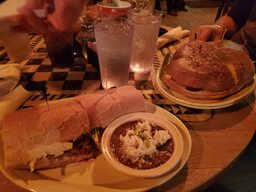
(150, 108)
(226, 102)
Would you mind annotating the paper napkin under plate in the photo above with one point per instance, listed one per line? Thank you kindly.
(12, 101)
(174, 34)
(9, 77)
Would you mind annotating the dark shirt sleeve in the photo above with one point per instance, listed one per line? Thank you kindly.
(240, 11)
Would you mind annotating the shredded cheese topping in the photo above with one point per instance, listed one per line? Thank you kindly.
(143, 141)
(41, 151)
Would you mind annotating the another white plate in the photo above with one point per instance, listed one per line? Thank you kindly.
(96, 174)
(200, 103)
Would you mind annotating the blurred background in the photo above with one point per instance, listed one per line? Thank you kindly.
(197, 12)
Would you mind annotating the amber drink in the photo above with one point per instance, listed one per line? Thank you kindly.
(60, 48)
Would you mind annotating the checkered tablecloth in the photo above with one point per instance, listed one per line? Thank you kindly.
(82, 78)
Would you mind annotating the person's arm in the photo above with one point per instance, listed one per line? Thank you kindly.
(227, 26)
(240, 11)
(224, 26)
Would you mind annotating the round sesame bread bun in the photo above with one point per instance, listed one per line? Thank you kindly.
(209, 70)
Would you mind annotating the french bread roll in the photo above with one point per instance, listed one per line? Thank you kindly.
(105, 106)
(31, 134)
(37, 138)
(208, 70)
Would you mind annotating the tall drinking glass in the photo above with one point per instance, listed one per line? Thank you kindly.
(114, 36)
(146, 28)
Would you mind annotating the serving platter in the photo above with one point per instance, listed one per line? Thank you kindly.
(95, 174)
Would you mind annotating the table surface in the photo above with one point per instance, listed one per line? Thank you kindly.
(218, 136)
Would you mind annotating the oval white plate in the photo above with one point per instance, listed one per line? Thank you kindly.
(143, 173)
(95, 175)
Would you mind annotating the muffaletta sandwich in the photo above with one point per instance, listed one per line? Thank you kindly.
(39, 138)
(209, 70)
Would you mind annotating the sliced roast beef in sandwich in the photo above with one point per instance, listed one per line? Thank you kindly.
(37, 137)
(209, 70)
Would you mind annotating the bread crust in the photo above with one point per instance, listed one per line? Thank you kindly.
(211, 69)
(64, 122)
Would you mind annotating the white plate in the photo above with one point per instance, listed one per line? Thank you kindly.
(96, 174)
(200, 103)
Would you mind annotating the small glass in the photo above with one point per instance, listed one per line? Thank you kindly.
(146, 29)
(86, 34)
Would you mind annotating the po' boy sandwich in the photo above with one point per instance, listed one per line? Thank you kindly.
(39, 138)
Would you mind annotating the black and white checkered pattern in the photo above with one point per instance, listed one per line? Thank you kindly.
(81, 78)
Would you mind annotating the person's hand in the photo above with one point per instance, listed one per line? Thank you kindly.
(60, 15)
(208, 33)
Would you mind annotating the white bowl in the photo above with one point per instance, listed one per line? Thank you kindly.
(143, 173)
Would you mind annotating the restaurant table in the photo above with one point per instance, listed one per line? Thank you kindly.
(218, 136)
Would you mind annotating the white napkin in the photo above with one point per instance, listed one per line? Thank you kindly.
(9, 77)
(13, 100)
(174, 34)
